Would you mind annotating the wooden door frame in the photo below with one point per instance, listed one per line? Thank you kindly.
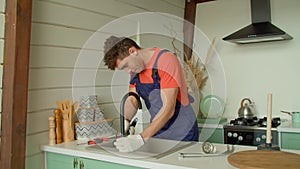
(15, 83)
(188, 25)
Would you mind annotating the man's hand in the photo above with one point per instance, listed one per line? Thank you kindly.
(129, 143)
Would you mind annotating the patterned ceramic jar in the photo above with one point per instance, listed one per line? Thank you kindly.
(98, 114)
(84, 114)
(88, 101)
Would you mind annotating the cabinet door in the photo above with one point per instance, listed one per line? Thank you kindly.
(96, 164)
(215, 135)
(290, 141)
(60, 161)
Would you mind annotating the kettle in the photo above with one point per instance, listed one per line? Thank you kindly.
(247, 109)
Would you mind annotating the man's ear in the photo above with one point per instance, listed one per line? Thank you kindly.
(132, 50)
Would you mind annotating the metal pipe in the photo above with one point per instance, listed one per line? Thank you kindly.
(122, 106)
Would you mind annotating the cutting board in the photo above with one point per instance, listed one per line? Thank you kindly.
(261, 159)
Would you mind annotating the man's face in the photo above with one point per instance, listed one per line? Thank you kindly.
(131, 64)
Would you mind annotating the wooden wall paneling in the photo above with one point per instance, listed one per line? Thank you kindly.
(15, 83)
(2, 6)
(2, 21)
(153, 6)
(44, 78)
(37, 121)
(64, 15)
(59, 57)
(33, 142)
(161, 42)
(58, 36)
(53, 57)
(178, 3)
(1, 50)
(52, 35)
(0, 109)
(35, 161)
(102, 7)
(46, 99)
(1, 75)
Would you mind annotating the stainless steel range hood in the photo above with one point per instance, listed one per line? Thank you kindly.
(261, 29)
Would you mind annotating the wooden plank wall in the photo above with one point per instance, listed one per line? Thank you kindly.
(2, 19)
(60, 29)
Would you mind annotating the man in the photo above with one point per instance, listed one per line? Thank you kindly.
(157, 76)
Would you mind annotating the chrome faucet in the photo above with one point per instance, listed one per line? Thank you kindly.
(122, 106)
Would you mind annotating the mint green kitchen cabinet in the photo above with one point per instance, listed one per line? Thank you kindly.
(61, 161)
(217, 135)
(290, 140)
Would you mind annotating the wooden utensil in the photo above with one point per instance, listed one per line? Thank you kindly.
(267, 159)
(66, 108)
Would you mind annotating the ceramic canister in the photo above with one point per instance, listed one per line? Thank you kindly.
(88, 101)
(296, 117)
(98, 114)
(85, 114)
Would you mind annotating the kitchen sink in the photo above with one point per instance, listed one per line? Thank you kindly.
(153, 148)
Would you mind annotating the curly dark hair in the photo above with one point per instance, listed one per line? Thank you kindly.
(117, 48)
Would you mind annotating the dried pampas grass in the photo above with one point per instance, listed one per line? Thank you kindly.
(194, 70)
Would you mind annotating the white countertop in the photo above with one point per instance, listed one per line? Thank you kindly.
(171, 161)
(289, 126)
(207, 125)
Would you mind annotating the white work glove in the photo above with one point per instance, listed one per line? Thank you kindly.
(129, 143)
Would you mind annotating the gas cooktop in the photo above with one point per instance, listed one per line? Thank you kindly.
(254, 122)
(250, 131)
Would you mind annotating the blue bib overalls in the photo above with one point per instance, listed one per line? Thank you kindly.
(183, 125)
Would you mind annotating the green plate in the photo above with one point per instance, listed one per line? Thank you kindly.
(212, 106)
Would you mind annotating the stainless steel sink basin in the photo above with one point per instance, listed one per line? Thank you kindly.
(153, 148)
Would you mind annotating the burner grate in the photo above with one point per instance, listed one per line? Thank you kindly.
(254, 121)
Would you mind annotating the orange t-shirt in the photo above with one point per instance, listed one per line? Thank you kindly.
(170, 73)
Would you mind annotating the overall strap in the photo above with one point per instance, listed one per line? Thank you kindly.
(154, 69)
(134, 76)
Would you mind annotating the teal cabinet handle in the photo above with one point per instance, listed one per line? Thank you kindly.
(75, 163)
(81, 165)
